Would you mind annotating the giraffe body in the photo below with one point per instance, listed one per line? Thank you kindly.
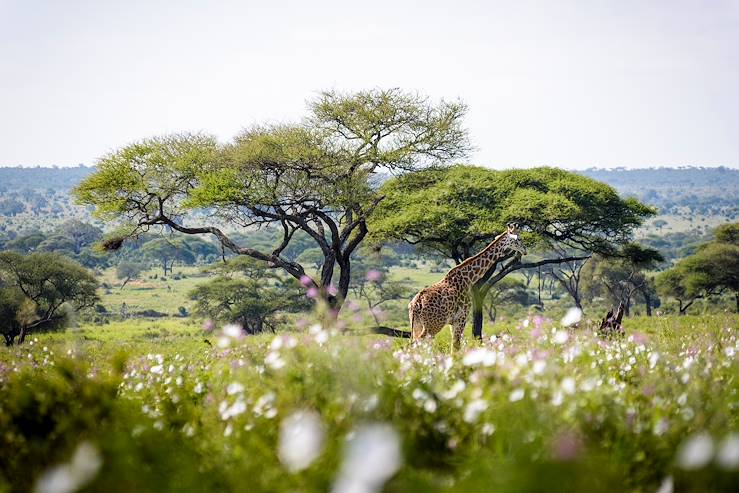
(449, 300)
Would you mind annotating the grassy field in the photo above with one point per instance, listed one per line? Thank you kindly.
(161, 405)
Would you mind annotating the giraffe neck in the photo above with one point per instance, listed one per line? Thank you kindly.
(474, 268)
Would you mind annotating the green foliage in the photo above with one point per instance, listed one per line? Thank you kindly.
(371, 283)
(45, 282)
(712, 270)
(168, 251)
(451, 210)
(508, 291)
(247, 294)
(728, 233)
(622, 278)
(521, 413)
(128, 270)
(130, 179)
(315, 176)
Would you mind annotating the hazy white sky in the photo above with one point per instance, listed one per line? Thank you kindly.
(567, 83)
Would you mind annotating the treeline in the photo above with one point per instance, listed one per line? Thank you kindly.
(20, 178)
(696, 190)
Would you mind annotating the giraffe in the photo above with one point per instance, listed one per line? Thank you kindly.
(449, 300)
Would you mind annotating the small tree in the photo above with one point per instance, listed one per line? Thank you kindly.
(568, 275)
(166, 252)
(507, 291)
(247, 294)
(711, 271)
(36, 287)
(622, 277)
(128, 270)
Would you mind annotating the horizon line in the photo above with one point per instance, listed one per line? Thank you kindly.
(589, 168)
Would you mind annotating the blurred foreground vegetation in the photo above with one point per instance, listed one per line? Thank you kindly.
(164, 406)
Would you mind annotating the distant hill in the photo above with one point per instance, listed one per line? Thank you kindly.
(705, 191)
(659, 178)
(18, 178)
(674, 191)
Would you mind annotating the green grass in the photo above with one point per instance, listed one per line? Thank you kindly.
(163, 294)
(161, 409)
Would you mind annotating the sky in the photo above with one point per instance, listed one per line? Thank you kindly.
(575, 84)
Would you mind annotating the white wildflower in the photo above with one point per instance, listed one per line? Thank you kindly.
(667, 485)
(568, 385)
(557, 398)
(158, 369)
(488, 429)
(234, 388)
(572, 317)
(419, 394)
(274, 360)
(539, 366)
(480, 356)
(653, 358)
(302, 437)
(429, 405)
(72, 476)
(517, 395)
(695, 452)
(560, 337)
(728, 452)
(276, 343)
(232, 330)
(473, 409)
(373, 455)
(228, 412)
(454, 390)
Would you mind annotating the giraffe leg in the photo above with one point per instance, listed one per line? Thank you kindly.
(458, 323)
(457, 333)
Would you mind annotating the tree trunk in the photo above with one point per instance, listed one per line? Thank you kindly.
(736, 297)
(478, 300)
(539, 286)
(22, 336)
(578, 300)
(684, 308)
(648, 303)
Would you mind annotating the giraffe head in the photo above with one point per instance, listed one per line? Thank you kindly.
(512, 242)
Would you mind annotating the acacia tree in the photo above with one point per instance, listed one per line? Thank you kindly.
(711, 271)
(166, 252)
(315, 176)
(247, 293)
(455, 211)
(34, 288)
(507, 290)
(621, 278)
(127, 270)
(568, 275)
